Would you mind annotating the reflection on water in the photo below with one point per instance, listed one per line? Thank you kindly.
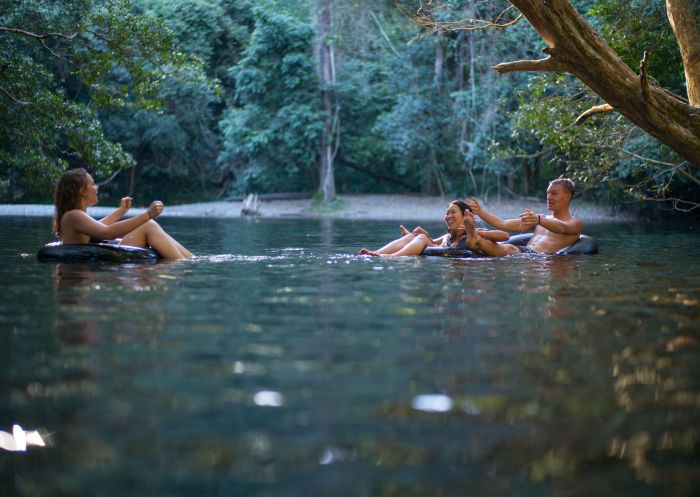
(279, 357)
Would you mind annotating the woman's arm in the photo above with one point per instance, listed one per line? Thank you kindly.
(439, 240)
(493, 235)
(115, 216)
(80, 222)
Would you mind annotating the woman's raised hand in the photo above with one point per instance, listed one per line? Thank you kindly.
(404, 231)
(155, 209)
(125, 204)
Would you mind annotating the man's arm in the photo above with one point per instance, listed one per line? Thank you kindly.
(495, 221)
(493, 235)
(573, 226)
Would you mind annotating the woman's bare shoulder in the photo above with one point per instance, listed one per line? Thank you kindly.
(74, 214)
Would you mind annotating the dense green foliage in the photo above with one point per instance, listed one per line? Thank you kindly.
(271, 131)
(203, 98)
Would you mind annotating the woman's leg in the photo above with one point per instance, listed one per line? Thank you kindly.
(152, 235)
(391, 247)
(488, 247)
(414, 247)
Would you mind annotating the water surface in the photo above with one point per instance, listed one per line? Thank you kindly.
(278, 363)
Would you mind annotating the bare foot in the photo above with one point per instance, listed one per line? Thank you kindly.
(473, 237)
(365, 251)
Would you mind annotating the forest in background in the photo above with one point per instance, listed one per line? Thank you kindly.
(207, 99)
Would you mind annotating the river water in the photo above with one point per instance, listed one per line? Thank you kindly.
(278, 363)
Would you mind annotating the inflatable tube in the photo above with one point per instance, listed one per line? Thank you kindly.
(450, 252)
(585, 245)
(95, 252)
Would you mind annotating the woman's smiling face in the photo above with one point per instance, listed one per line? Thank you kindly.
(453, 217)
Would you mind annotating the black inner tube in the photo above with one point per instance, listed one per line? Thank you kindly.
(95, 252)
(585, 245)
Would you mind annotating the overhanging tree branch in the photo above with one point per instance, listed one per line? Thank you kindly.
(15, 100)
(546, 64)
(582, 52)
(424, 18)
(42, 38)
(597, 109)
(4, 29)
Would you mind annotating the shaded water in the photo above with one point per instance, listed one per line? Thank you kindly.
(278, 363)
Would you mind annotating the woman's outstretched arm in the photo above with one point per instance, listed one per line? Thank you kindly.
(124, 206)
(80, 222)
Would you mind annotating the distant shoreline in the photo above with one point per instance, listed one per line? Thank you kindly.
(369, 207)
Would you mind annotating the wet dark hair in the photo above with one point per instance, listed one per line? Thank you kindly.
(66, 196)
(462, 205)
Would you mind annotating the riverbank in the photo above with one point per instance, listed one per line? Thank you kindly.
(376, 207)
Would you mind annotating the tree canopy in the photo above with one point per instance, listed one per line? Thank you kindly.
(209, 98)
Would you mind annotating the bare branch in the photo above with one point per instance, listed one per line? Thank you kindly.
(654, 161)
(527, 156)
(597, 109)
(15, 100)
(424, 18)
(384, 35)
(111, 178)
(546, 64)
(692, 178)
(643, 82)
(45, 36)
(57, 55)
(42, 39)
(678, 203)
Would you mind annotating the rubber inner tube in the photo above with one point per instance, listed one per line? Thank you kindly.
(95, 252)
(585, 245)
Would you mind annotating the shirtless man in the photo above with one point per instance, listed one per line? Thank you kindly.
(551, 233)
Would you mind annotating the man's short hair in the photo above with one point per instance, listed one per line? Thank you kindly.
(567, 183)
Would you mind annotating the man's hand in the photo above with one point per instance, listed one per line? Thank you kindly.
(474, 205)
(528, 219)
(125, 204)
(155, 209)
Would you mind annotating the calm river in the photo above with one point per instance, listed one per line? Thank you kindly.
(280, 364)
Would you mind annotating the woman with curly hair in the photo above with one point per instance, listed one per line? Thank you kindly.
(76, 191)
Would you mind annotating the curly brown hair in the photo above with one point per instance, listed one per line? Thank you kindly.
(66, 196)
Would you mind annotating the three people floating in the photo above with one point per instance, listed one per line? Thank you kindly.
(76, 191)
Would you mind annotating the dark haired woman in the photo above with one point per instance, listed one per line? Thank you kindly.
(413, 243)
(76, 191)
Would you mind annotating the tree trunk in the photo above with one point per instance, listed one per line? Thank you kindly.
(439, 61)
(684, 16)
(574, 47)
(326, 69)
